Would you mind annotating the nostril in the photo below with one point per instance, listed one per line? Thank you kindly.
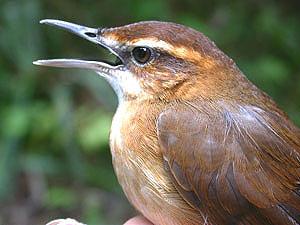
(90, 34)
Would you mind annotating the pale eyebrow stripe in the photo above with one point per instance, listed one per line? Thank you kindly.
(178, 51)
(153, 43)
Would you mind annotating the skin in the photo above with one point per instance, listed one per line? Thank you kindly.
(138, 220)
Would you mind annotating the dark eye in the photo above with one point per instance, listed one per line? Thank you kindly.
(142, 54)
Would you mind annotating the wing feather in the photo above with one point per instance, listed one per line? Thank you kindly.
(240, 163)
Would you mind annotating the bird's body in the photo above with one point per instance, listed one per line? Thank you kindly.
(138, 164)
(193, 141)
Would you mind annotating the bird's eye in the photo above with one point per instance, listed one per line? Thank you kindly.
(142, 55)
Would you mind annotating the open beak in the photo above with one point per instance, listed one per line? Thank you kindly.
(91, 34)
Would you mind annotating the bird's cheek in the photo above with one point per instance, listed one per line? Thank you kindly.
(129, 83)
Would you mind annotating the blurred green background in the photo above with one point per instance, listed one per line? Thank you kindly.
(54, 155)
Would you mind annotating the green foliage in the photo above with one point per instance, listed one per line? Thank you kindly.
(94, 130)
(55, 122)
(60, 197)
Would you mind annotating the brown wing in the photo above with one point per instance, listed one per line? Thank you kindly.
(237, 166)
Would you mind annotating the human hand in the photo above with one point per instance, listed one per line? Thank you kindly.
(138, 220)
(65, 222)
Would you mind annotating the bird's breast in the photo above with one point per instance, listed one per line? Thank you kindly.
(138, 163)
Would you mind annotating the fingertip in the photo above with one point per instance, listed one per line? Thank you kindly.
(138, 220)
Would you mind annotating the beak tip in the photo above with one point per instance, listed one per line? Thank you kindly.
(50, 21)
(44, 21)
(37, 62)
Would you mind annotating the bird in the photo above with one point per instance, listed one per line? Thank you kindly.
(193, 141)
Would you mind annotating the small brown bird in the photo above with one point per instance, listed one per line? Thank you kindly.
(193, 141)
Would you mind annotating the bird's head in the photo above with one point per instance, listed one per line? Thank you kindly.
(154, 59)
